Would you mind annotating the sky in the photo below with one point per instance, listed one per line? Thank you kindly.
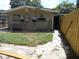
(54, 3)
(4, 4)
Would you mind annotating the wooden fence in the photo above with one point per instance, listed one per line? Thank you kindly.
(70, 28)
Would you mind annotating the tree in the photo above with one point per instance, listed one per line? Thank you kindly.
(65, 7)
(17, 3)
(36, 3)
(14, 3)
(28, 2)
(77, 3)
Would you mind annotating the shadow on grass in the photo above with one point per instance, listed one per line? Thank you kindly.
(27, 31)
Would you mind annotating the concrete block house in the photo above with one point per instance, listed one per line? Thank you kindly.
(30, 18)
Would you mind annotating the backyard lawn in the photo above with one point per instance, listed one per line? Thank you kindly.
(29, 39)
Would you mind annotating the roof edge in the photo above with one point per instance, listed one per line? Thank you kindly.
(26, 6)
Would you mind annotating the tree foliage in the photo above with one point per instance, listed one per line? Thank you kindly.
(77, 3)
(36, 3)
(17, 3)
(65, 7)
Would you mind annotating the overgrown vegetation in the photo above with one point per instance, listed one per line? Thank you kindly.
(30, 39)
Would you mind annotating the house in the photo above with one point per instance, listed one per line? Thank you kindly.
(3, 18)
(30, 18)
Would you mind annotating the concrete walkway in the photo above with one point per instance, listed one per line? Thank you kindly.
(50, 50)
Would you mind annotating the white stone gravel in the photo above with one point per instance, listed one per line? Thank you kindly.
(50, 50)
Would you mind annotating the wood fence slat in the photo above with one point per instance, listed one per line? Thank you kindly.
(71, 29)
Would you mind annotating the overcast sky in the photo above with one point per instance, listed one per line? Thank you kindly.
(4, 4)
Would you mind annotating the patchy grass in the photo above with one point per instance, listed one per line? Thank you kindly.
(30, 39)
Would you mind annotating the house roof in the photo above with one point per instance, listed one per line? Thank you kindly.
(2, 11)
(25, 6)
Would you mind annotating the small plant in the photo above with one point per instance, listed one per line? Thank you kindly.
(39, 56)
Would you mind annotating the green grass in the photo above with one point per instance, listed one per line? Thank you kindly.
(27, 39)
